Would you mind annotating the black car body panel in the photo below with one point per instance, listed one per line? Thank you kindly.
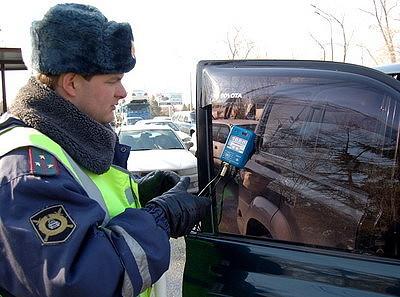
(230, 266)
(315, 211)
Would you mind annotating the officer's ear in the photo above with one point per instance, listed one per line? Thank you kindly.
(66, 85)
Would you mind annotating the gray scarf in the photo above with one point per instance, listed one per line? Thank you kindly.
(88, 142)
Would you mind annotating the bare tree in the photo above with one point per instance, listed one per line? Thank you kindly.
(340, 22)
(382, 12)
(239, 47)
(366, 49)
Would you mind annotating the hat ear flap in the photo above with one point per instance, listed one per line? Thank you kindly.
(118, 39)
(34, 55)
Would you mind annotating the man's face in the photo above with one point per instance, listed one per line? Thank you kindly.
(99, 96)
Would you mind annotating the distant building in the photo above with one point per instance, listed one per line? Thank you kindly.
(169, 102)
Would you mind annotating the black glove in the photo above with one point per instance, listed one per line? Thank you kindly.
(182, 210)
(155, 183)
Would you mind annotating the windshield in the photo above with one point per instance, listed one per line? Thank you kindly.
(150, 140)
(132, 121)
(137, 109)
(170, 124)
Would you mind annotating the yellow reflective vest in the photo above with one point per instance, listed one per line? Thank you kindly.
(115, 190)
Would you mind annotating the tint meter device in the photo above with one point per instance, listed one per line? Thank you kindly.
(238, 147)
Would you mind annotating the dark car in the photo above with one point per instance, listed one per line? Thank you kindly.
(391, 69)
(316, 209)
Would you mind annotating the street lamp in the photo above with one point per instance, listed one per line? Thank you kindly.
(330, 25)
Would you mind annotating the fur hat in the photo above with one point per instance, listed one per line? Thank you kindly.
(78, 38)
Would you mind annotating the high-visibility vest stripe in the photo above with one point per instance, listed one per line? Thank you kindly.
(139, 254)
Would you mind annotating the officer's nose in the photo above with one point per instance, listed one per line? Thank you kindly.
(120, 92)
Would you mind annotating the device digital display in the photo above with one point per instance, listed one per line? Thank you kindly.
(237, 144)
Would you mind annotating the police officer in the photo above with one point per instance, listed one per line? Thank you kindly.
(73, 221)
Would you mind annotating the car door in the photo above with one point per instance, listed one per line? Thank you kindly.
(315, 210)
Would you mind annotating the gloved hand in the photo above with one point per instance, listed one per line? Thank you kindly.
(155, 183)
(182, 210)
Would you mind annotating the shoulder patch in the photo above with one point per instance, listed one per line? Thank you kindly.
(42, 162)
(53, 224)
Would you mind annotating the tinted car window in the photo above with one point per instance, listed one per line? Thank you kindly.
(325, 171)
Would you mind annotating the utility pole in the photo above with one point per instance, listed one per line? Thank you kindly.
(330, 25)
(3, 88)
(191, 95)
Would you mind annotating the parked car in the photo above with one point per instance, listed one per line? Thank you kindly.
(162, 118)
(193, 149)
(391, 69)
(316, 209)
(187, 140)
(185, 120)
(158, 148)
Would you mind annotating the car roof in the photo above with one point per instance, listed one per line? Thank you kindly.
(184, 112)
(153, 121)
(161, 118)
(134, 118)
(389, 68)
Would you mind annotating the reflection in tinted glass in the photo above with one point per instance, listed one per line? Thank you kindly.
(325, 171)
(215, 130)
(223, 133)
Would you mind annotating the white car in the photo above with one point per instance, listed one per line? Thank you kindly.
(193, 149)
(162, 118)
(185, 120)
(156, 147)
(187, 140)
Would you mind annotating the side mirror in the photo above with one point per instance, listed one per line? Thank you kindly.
(189, 144)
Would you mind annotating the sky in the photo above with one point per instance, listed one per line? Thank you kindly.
(171, 36)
